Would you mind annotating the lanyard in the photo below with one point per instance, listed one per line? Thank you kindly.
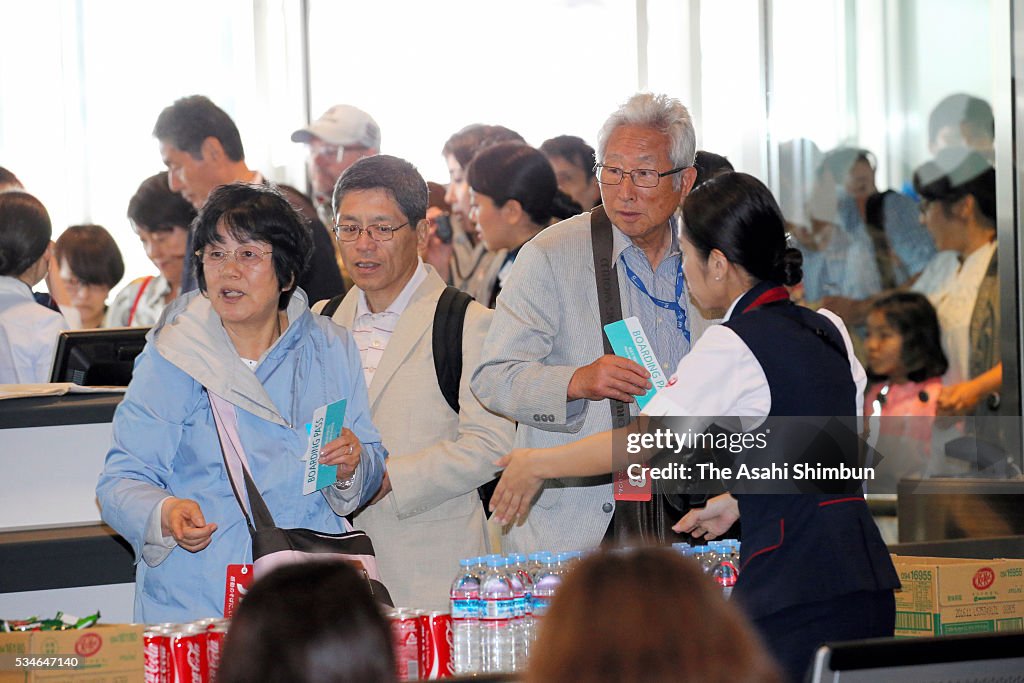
(661, 303)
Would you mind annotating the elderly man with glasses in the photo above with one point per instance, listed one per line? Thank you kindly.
(427, 515)
(545, 363)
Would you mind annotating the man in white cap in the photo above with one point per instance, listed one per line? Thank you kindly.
(339, 138)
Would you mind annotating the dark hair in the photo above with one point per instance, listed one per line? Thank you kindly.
(914, 317)
(600, 627)
(574, 150)
(513, 170)
(154, 208)
(8, 179)
(92, 255)
(709, 165)
(312, 622)
(190, 120)
(955, 173)
(736, 214)
(25, 232)
(474, 137)
(961, 109)
(397, 177)
(435, 196)
(260, 214)
(841, 159)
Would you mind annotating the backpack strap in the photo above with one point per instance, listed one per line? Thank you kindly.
(332, 306)
(449, 320)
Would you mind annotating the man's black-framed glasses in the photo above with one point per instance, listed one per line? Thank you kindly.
(378, 232)
(641, 177)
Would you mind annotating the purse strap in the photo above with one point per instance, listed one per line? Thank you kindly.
(226, 420)
(609, 303)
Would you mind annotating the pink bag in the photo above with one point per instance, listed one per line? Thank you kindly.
(272, 546)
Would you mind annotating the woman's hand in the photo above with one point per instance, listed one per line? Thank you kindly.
(344, 452)
(517, 486)
(710, 521)
(183, 519)
(958, 399)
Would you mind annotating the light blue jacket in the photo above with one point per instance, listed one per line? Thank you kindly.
(165, 443)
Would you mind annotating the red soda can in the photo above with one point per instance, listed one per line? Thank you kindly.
(215, 634)
(156, 647)
(407, 639)
(439, 646)
(188, 655)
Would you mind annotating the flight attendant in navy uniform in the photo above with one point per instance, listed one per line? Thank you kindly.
(813, 566)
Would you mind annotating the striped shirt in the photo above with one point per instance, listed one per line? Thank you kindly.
(372, 331)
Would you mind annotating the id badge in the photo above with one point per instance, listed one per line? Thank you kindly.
(236, 585)
(626, 487)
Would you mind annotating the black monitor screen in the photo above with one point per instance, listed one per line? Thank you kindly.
(103, 357)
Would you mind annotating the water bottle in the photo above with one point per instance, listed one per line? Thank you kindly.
(545, 584)
(519, 646)
(724, 574)
(522, 572)
(684, 549)
(497, 618)
(465, 609)
(537, 561)
(702, 554)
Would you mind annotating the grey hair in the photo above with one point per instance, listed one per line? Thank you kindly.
(662, 113)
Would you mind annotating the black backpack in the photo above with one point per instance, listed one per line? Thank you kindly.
(449, 319)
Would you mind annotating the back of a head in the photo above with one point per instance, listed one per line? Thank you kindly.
(658, 112)
(397, 177)
(573, 149)
(956, 172)
(25, 232)
(840, 160)
(9, 181)
(155, 208)
(644, 615)
(736, 214)
(464, 144)
(314, 622)
(190, 120)
(709, 165)
(961, 110)
(514, 170)
(92, 255)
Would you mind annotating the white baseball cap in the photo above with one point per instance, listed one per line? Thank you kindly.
(342, 125)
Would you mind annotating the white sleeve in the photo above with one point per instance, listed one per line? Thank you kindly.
(860, 377)
(719, 377)
(155, 546)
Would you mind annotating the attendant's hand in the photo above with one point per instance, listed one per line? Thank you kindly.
(344, 452)
(711, 521)
(958, 399)
(609, 377)
(385, 489)
(516, 488)
(183, 519)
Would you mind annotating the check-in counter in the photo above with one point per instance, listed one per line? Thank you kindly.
(55, 553)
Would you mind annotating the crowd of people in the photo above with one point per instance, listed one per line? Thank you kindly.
(280, 304)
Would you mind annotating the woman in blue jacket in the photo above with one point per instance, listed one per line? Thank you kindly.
(248, 336)
(813, 565)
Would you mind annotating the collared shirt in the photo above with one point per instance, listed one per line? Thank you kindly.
(660, 324)
(28, 334)
(372, 331)
(722, 377)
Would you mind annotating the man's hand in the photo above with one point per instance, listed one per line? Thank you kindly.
(182, 519)
(711, 521)
(344, 452)
(517, 487)
(609, 377)
(385, 489)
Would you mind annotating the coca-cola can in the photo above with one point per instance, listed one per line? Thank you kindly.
(439, 662)
(407, 641)
(215, 634)
(188, 655)
(156, 647)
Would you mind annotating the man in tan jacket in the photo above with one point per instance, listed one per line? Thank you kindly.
(428, 514)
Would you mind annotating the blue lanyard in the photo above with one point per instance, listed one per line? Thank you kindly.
(668, 305)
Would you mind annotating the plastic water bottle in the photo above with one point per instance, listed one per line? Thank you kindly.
(702, 554)
(725, 574)
(497, 618)
(537, 561)
(545, 584)
(519, 634)
(465, 610)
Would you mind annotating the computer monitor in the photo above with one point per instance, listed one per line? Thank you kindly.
(102, 357)
(975, 657)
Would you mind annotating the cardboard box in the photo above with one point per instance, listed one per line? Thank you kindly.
(108, 653)
(943, 596)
